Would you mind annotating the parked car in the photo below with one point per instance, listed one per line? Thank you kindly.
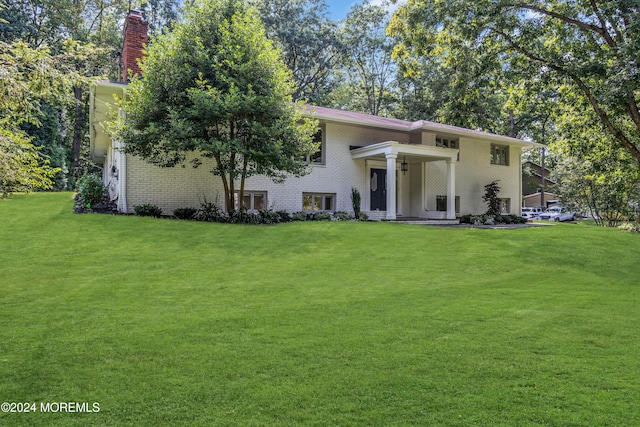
(558, 213)
(532, 212)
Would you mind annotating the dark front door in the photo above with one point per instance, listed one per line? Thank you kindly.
(378, 189)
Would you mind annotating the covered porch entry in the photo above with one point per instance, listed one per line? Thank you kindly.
(392, 182)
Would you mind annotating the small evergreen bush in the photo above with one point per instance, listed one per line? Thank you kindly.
(284, 216)
(185, 213)
(210, 212)
(363, 217)
(299, 216)
(341, 216)
(148, 210)
(322, 216)
(90, 190)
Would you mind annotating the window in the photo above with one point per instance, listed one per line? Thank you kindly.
(318, 202)
(505, 205)
(318, 158)
(499, 155)
(252, 200)
(441, 203)
(446, 143)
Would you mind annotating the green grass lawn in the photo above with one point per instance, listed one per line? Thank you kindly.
(166, 322)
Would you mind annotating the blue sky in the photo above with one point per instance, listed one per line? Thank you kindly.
(339, 8)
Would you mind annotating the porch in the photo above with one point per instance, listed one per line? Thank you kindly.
(390, 193)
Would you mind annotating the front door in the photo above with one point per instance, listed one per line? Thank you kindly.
(378, 183)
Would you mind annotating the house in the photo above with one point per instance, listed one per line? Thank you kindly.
(535, 178)
(402, 169)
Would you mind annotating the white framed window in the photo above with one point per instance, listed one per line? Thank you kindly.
(441, 204)
(317, 202)
(505, 206)
(252, 200)
(499, 154)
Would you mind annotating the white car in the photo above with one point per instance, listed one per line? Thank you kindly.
(558, 213)
(532, 212)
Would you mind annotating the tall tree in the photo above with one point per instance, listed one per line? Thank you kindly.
(28, 77)
(368, 67)
(589, 45)
(216, 87)
(309, 43)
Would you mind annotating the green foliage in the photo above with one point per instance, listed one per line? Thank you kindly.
(363, 217)
(299, 216)
(490, 196)
(355, 201)
(216, 87)
(341, 216)
(185, 213)
(243, 216)
(148, 210)
(629, 227)
(90, 191)
(210, 212)
(309, 41)
(321, 216)
(589, 46)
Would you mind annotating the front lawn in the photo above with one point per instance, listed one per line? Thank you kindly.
(166, 322)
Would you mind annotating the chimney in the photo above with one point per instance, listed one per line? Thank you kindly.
(135, 39)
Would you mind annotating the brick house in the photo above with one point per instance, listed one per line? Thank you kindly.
(402, 169)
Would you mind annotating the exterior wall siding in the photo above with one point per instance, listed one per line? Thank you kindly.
(179, 187)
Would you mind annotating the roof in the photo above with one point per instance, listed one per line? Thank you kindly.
(349, 117)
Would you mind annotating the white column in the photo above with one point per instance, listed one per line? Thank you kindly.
(391, 185)
(451, 189)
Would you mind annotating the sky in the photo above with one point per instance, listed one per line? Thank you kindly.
(339, 8)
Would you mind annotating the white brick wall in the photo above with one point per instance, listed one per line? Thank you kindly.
(178, 187)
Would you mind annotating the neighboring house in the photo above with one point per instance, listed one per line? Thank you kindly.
(402, 169)
(532, 175)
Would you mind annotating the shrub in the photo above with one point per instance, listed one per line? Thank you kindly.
(185, 213)
(630, 227)
(148, 210)
(355, 201)
(491, 192)
(341, 216)
(243, 216)
(322, 216)
(363, 217)
(268, 216)
(210, 212)
(299, 216)
(284, 216)
(90, 191)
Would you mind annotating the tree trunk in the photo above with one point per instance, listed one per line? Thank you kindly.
(78, 126)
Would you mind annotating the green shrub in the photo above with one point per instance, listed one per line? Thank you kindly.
(210, 212)
(355, 202)
(243, 216)
(185, 213)
(363, 217)
(299, 216)
(268, 216)
(630, 227)
(284, 216)
(322, 216)
(341, 216)
(148, 210)
(90, 190)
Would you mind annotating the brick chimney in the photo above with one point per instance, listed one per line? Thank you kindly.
(135, 39)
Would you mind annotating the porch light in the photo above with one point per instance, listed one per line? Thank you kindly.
(404, 166)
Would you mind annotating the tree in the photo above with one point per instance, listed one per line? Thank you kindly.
(216, 87)
(309, 43)
(490, 196)
(594, 175)
(369, 70)
(589, 45)
(28, 76)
